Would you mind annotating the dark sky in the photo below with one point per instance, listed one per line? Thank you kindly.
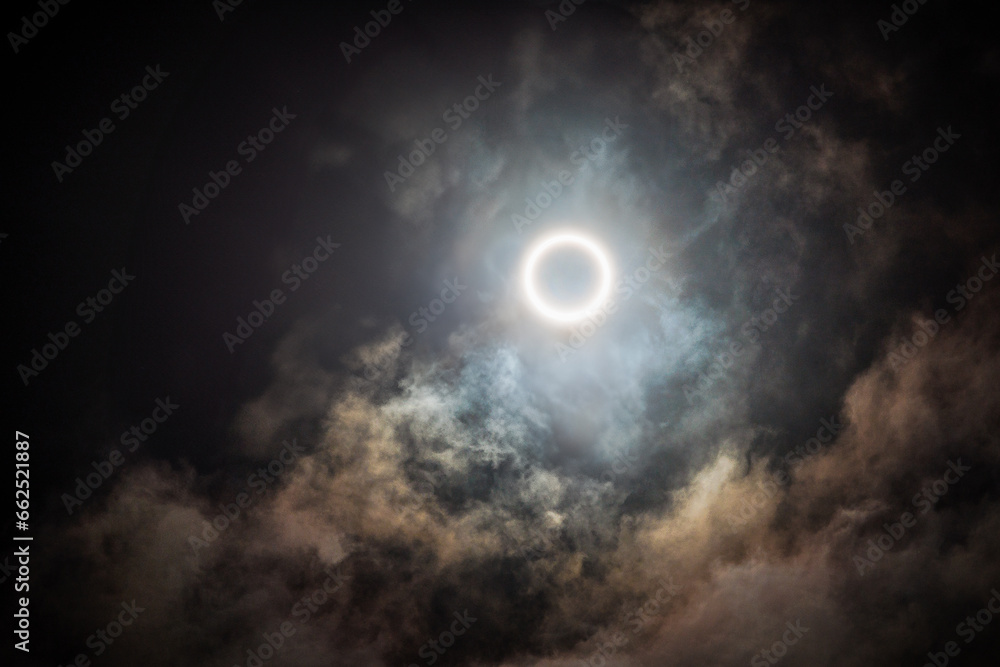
(777, 442)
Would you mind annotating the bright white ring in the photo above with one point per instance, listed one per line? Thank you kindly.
(539, 251)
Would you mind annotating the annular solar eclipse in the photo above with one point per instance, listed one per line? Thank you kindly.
(546, 306)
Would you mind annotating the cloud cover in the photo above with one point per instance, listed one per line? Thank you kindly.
(551, 497)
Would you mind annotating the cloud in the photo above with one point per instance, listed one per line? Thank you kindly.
(467, 471)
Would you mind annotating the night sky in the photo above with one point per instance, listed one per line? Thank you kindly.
(288, 402)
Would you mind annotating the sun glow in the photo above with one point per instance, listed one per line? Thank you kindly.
(556, 242)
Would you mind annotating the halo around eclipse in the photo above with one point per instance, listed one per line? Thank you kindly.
(537, 253)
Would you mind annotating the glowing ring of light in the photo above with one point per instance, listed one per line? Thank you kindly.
(539, 251)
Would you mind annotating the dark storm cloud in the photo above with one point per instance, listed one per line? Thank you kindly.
(469, 470)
